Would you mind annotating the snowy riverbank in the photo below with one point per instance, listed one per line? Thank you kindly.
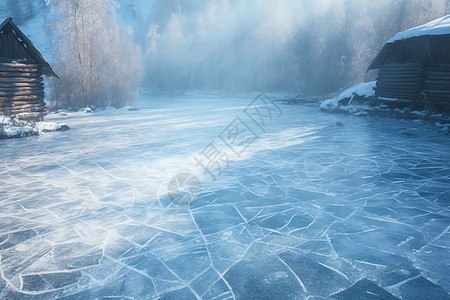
(360, 100)
(13, 128)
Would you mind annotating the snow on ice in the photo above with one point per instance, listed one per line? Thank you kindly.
(361, 90)
(11, 128)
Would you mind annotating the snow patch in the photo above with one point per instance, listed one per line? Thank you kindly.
(358, 101)
(50, 126)
(91, 109)
(14, 131)
(361, 90)
(12, 128)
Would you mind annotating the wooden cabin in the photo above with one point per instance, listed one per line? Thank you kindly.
(21, 70)
(414, 66)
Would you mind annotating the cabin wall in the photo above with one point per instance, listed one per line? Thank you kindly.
(22, 91)
(399, 81)
(427, 86)
(436, 86)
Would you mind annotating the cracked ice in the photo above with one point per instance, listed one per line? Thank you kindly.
(309, 209)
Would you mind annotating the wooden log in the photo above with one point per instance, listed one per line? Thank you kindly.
(400, 70)
(20, 84)
(392, 92)
(18, 103)
(434, 94)
(21, 93)
(20, 98)
(27, 110)
(20, 74)
(25, 70)
(431, 96)
(398, 87)
(404, 72)
(443, 70)
(391, 101)
(36, 100)
(439, 67)
(20, 89)
(445, 75)
(437, 77)
(400, 76)
(397, 82)
(436, 87)
(30, 109)
(436, 90)
(392, 74)
(396, 95)
(398, 91)
(19, 65)
(436, 72)
(401, 67)
(27, 105)
(438, 81)
(20, 79)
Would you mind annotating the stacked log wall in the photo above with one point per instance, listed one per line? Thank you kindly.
(400, 81)
(22, 91)
(436, 86)
(425, 86)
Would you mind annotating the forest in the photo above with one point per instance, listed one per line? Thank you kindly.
(106, 49)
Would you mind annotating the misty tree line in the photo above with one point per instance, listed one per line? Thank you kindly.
(313, 47)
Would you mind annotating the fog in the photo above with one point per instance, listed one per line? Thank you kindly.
(301, 46)
(310, 47)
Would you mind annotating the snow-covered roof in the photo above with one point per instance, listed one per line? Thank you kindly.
(439, 26)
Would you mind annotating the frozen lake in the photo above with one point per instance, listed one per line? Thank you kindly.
(300, 205)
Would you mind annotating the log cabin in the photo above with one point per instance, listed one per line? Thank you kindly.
(414, 66)
(22, 68)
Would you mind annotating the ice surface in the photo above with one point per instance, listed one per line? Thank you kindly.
(436, 27)
(308, 209)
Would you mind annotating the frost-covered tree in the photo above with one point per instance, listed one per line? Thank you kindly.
(96, 59)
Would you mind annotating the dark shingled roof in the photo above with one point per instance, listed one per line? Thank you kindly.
(426, 50)
(32, 51)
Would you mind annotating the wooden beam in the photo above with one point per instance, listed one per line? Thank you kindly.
(10, 69)
(21, 84)
(19, 79)
(20, 74)
(20, 98)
